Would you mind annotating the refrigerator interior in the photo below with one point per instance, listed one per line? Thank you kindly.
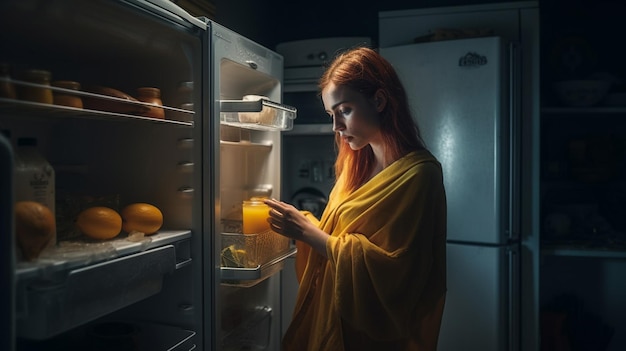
(248, 298)
(146, 291)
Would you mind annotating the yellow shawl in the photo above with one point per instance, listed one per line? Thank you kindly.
(384, 282)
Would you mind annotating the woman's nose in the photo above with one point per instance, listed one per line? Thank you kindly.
(337, 125)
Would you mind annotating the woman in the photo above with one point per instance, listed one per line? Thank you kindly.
(374, 274)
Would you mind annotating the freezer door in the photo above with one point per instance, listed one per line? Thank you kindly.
(481, 310)
(459, 97)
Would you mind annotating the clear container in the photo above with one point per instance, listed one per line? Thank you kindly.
(67, 99)
(41, 93)
(252, 250)
(258, 114)
(151, 96)
(255, 214)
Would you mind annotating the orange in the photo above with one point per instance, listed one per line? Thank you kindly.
(99, 222)
(34, 227)
(142, 217)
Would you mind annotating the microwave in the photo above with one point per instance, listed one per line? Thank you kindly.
(304, 64)
(301, 90)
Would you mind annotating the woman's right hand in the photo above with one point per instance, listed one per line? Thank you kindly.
(287, 220)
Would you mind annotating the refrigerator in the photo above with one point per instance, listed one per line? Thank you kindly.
(464, 95)
(196, 149)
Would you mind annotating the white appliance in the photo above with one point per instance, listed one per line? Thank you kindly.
(170, 290)
(466, 96)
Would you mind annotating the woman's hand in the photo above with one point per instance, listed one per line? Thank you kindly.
(287, 220)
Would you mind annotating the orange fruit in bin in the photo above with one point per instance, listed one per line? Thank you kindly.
(142, 217)
(99, 222)
(34, 227)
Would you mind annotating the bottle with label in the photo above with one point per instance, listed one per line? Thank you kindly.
(34, 176)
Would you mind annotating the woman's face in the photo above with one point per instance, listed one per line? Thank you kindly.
(355, 118)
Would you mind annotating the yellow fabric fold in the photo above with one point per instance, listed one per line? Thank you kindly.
(384, 282)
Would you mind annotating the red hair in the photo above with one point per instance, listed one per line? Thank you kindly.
(364, 70)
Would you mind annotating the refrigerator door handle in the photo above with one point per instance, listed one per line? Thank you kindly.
(514, 304)
(515, 106)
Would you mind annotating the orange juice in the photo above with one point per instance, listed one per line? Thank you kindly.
(255, 214)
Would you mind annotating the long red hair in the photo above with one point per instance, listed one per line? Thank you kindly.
(367, 72)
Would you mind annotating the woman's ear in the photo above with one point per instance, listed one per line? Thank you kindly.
(380, 100)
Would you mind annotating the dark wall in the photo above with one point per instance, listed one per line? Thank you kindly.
(271, 22)
(581, 38)
(592, 28)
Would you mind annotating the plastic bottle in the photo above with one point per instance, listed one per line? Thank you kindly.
(34, 176)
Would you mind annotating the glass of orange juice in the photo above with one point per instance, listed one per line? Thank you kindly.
(255, 214)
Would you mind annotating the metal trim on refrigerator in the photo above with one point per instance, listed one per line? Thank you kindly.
(514, 140)
(514, 299)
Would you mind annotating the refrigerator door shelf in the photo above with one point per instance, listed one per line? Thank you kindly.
(247, 277)
(260, 114)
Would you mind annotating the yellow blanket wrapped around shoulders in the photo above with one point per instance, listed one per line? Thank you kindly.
(383, 284)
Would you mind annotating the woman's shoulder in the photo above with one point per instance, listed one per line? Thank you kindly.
(422, 163)
(421, 158)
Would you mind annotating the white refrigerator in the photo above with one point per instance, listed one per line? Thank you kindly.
(464, 97)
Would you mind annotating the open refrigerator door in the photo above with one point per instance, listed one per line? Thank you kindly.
(247, 88)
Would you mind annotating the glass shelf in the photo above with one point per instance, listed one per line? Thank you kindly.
(583, 251)
(181, 116)
(583, 110)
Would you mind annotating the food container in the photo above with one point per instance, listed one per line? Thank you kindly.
(112, 100)
(256, 112)
(255, 214)
(266, 116)
(152, 96)
(252, 250)
(67, 98)
(40, 93)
